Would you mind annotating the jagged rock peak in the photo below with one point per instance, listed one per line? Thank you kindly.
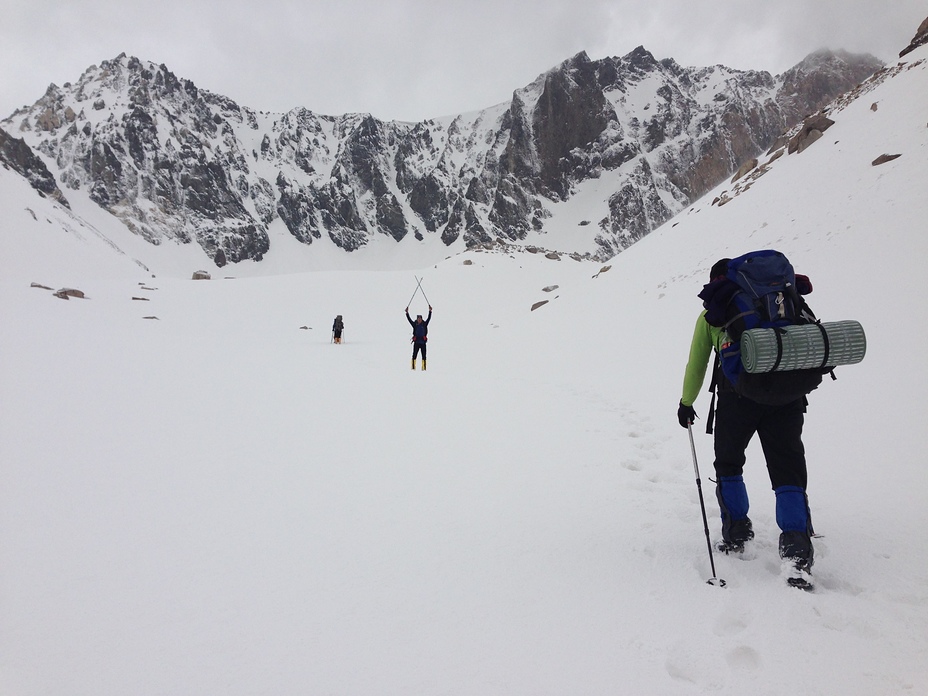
(177, 162)
(576, 60)
(641, 57)
(820, 77)
(829, 59)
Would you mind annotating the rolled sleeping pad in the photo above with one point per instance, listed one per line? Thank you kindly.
(803, 346)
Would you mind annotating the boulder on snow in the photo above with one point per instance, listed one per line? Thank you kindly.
(779, 143)
(550, 288)
(810, 138)
(811, 130)
(776, 155)
(744, 169)
(201, 275)
(883, 159)
(67, 293)
(539, 304)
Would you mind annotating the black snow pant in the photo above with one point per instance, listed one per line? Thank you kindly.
(779, 429)
(416, 347)
(780, 432)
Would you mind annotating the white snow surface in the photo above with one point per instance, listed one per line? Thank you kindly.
(217, 501)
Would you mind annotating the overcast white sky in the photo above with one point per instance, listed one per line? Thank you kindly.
(416, 59)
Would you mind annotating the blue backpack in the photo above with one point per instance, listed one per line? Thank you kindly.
(759, 290)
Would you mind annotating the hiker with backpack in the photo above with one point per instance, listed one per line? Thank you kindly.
(337, 327)
(420, 335)
(755, 290)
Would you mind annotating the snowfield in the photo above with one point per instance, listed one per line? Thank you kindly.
(220, 501)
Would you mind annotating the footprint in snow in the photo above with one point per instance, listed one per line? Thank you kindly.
(730, 626)
(743, 659)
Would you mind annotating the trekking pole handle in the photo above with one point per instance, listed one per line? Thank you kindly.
(689, 429)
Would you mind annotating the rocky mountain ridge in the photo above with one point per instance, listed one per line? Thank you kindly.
(175, 162)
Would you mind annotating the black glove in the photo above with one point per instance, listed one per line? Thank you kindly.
(686, 415)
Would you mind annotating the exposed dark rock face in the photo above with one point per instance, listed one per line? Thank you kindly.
(920, 39)
(177, 162)
(819, 78)
(18, 156)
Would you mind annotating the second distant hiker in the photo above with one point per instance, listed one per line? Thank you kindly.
(420, 335)
(337, 327)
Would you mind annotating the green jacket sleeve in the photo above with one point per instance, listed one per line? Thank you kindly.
(705, 340)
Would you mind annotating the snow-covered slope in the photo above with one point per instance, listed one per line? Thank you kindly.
(216, 501)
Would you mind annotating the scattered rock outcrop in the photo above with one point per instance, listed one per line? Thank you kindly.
(811, 130)
(801, 136)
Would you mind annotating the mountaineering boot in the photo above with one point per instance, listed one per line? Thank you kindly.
(798, 555)
(794, 521)
(739, 532)
(423, 363)
(414, 363)
(733, 504)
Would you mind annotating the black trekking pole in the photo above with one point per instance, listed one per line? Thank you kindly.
(714, 580)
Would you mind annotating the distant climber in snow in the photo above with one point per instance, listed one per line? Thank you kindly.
(420, 335)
